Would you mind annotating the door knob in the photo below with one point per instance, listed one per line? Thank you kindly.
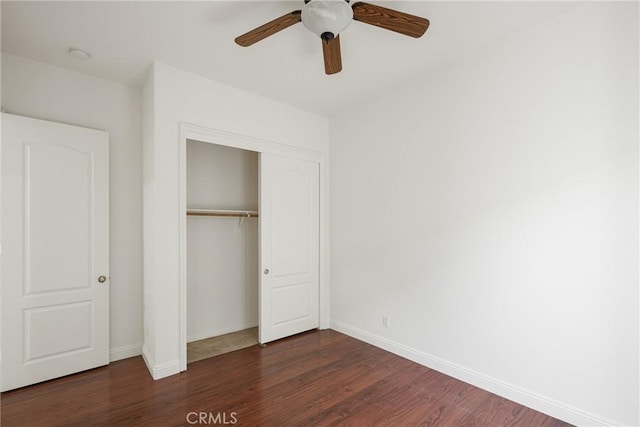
(266, 271)
(102, 279)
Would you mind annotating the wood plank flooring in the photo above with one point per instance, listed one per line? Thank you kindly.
(317, 378)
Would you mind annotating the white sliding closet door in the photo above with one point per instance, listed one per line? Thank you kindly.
(55, 250)
(289, 246)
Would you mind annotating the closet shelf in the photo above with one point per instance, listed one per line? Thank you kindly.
(222, 212)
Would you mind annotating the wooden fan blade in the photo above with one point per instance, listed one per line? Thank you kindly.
(269, 29)
(332, 57)
(390, 19)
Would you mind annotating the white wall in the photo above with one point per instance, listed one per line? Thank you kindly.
(491, 210)
(174, 97)
(46, 92)
(222, 253)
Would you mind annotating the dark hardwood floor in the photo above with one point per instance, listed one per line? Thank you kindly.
(317, 378)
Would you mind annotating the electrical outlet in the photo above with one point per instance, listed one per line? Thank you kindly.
(386, 320)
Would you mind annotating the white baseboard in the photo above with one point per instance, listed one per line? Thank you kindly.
(159, 371)
(524, 397)
(125, 352)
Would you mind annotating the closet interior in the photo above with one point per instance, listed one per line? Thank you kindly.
(222, 249)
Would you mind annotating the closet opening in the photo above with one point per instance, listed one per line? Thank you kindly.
(222, 249)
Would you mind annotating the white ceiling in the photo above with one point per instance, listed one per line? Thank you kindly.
(125, 37)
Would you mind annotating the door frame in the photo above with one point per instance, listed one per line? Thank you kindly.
(189, 131)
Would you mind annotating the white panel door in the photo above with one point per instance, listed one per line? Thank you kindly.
(289, 246)
(55, 250)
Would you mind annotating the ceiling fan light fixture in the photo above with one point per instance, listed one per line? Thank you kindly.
(327, 16)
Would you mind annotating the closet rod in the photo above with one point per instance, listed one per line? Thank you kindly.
(222, 212)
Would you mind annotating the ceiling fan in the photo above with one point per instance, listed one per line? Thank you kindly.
(328, 18)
